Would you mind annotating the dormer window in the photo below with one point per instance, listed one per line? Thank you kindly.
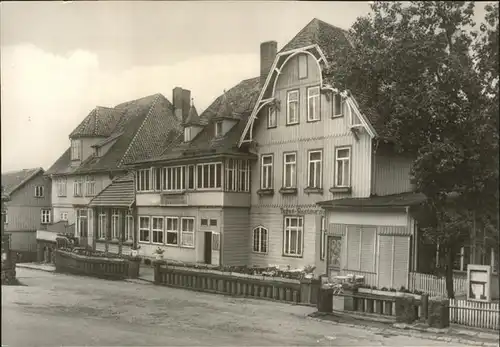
(218, 129)
(271, 117)
(337, 105)
(187, 134)
(76, 149)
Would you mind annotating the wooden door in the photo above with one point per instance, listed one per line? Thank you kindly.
(208, 247)
(334, 252)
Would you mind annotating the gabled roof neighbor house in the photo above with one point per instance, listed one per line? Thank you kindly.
(101, 145)
(28, 208)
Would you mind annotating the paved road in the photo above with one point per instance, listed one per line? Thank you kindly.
(61, 310)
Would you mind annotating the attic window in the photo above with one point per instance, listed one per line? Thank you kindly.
(218, 129)
(76, 149)
(337, 105)
(353, 118)
(187, 134)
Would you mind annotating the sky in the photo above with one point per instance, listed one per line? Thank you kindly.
(61, 59)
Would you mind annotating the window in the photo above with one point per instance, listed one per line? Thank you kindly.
(115, 227)
(172, 231)
(289, 170)
(76, 149)
(337, 105)
(215, 241)
(353, 117)
(45, 216)
(157, 229)
(322, 240)
(231, 175)
(204, 222)
(313, 109)
(102, 226)
(61, 186)
(292, 239)
(292, 116)
(302, 66)
(174, 178)
(187, 134)
(64, 216)
(343, 167)
(218, 129)
(361, 243)
(187, 232)
(190, 177)
(39, 191)
(244, 181)
(266, 179)
(144, 229)
(129, 226)
(271, 117)
(77, 187)
(82, 223)
(89, 186)
(260, 240)
(144, 180)
(213, 222)
(314, 169)
(157, 178)
(209, 175)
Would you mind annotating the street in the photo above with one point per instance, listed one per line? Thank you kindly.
(62, 310)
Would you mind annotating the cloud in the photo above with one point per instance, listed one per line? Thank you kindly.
(45, 96)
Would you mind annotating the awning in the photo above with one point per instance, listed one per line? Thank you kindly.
(120, 193)
(403, 200)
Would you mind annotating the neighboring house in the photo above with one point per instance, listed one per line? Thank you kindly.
(28, 209)
(101, 145)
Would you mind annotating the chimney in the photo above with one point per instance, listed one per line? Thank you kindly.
(181, 99)
(268, 52)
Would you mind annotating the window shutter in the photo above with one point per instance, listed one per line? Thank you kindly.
(353, 247)
(368, 237)
(385, 261)
(401, 261)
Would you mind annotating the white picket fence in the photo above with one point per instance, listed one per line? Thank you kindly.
(474, 314)
(435, 286)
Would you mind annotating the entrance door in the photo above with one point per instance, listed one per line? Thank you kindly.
(334, 250)
(208, 247)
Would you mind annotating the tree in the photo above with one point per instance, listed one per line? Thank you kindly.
(413, 64)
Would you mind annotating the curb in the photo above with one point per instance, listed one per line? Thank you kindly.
(139, 281)
(410, 332)
(34, 268)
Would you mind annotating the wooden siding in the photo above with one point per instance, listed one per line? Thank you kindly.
(24, 209)
(23, 241)
(273, 220)
(391, 174)
(394, 260)
(368, 218)
(200, 198)
(235, 238)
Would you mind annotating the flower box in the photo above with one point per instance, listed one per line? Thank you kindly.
(391, 294)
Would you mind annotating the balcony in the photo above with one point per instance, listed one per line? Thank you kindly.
(194, 198)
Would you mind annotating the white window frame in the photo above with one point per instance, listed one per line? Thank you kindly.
(337, 112)
(89, 185)
(171, 231)
(39, 191)
(45, 216)
(299, 236)
(271, 118)
(322, 252)
(190, 174)
(315, 100)
(216, 240)
(157, 176)
(81, 213)
(102, 225)
(262, 235)
(187, 134)
(344, 160)
(158, 231)
(129, 227)
(293, 167)
(144, 176)
(115, 224)
(78, 187)
(218, 132)
(244, 176)
(231, 179)
(64, 216)
(148, 229)
(76, 149)
(185, 232)
(266, 172)
(174, 178)
(318, 166)
(351, 118)
(289, 103)
(217, 172)
(61, 186)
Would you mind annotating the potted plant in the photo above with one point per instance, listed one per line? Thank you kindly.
(159, 253)
(134, 262)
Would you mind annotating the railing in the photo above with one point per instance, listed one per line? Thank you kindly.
(211, 281)
(434, 285)
(475, 314)
(111, 268)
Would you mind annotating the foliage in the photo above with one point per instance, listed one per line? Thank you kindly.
(159, 250)
(437, 100)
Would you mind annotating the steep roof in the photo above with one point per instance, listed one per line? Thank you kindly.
(13, 180)
(193, 118)
(241, 98)
(119, 193)
(100, 122)
(145, 127)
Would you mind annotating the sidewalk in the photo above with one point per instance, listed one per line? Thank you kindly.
(37, 266)
(453, 334)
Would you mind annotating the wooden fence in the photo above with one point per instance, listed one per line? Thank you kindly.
(259, 287)
(434, 285)
(474, 314)
(111, 268)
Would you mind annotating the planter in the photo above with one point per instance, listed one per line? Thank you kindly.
(159, 256)
(387, 293)
(133, 268)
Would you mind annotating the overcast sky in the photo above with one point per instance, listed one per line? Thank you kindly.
(60, 60)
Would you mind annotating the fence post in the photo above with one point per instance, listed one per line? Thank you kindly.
(425, 306)
(325, 300)
(157, 274)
